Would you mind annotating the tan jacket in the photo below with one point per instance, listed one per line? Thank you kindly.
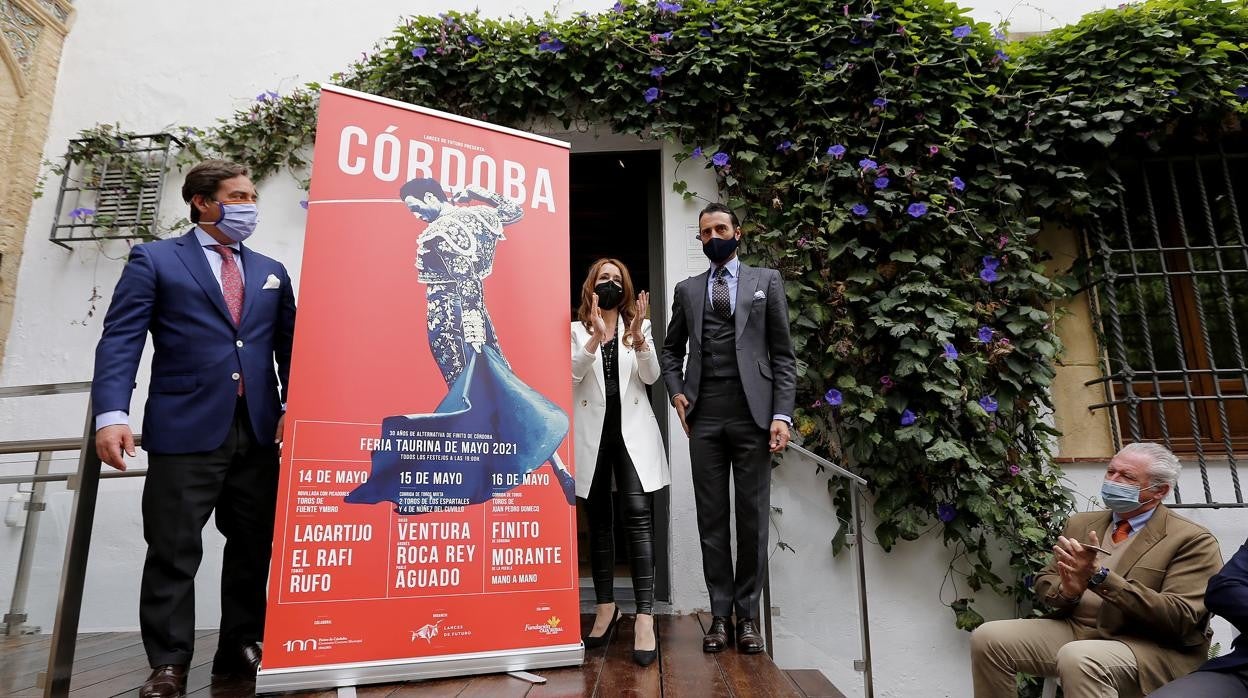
(1155, 604)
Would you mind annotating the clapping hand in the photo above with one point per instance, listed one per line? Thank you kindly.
(602, 332)
(634, 327)
(1075, 563)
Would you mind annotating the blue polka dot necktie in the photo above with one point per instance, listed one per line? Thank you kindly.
(720, 302)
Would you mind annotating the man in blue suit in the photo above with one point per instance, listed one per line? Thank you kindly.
(221, 317)
(1225, 676)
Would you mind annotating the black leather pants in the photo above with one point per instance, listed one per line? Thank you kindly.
(635, 503)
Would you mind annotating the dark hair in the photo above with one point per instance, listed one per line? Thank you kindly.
(205, 178)
(717, 207)
(419, 187)
(628, 306)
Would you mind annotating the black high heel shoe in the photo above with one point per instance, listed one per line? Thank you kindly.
(647, 657)
(592, 641)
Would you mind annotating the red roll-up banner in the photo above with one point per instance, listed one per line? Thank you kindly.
(425, 521)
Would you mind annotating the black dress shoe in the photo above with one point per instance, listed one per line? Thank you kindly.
(646, 657)
(593, 641)
(717, 638)
(242, 661)
(166, 681)
(749, 641)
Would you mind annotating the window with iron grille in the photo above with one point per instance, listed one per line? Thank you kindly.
(111, 186)
(1173, 310)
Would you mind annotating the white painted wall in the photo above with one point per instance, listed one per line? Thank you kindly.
(148, 64)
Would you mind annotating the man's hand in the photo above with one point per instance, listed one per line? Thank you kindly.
(281, 427)
(681, 403)
(779, 435)
(1075, 563)
(111, 441)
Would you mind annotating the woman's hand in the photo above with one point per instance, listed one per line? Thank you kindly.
(634, 327)
(602, 332)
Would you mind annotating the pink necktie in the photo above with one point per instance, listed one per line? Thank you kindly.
(232, 287)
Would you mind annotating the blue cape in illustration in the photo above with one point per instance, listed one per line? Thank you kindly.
(489, 430)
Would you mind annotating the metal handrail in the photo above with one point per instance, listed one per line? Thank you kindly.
(856, 482)
(85, 484)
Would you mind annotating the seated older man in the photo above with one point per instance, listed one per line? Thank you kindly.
(1130, 612)
(1225, 676)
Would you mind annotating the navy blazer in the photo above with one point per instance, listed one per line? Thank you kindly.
(1227, 596)
(168, 289)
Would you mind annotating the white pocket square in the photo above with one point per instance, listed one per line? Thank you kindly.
(272, 282)
(759, 295)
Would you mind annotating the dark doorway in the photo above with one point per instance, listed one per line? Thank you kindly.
(617, 212)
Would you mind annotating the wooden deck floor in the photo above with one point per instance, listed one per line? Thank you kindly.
(113, 664)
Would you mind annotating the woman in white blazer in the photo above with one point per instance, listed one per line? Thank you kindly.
(617, 441)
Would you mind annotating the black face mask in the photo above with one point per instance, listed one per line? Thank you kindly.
(609, 295)
(718, 250)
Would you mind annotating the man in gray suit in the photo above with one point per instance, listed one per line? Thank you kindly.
(735, 401)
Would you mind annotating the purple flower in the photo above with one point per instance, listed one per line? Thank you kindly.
(886, 381)
(1015, 470)
(803, 242)
(617, 7)
(917, 210)
(998, 35)
(657, 71)
(867, 164)
(908, 418)
(946, 512)
(719, 159)
(881, 182)
(697, 153)
(651, 94)
(667, 7)
(933, 150)
(266, 96)
(419, 52)
(704, 33)
(984, 335)
(951, 352)
(303, 204)
(548, 44)
(81, 214)
(1001, 56)
(1242, 91)
(666, 36)
(837, 151)
(989, 271)
(834, 397)
(474, 40)
(880, 102)
(962, 32)
(989, 403)
(859, 209)
(957, 183)
(784, 146)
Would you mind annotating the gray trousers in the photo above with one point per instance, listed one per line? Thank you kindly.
(724, 443)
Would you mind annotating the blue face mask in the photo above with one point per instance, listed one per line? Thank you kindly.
(718, 250)
(238, 221)
(1120, 497)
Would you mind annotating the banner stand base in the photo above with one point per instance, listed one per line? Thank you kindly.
(332, 676)
(526, 676)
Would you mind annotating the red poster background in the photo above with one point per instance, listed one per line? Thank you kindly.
(362, 354)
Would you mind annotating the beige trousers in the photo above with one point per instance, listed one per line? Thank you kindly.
(1088, 666)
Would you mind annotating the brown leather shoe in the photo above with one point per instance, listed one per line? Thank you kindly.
(749, 641)
(166, 681)
(238, 662)
(716, 639)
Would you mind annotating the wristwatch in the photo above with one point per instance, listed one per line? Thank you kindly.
(1095, 580)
